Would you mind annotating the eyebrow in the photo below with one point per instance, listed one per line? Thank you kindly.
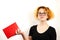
(43, 12)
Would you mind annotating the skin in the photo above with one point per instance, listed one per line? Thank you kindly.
(42, 21)
(42, 18)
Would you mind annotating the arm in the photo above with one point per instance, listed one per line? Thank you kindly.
(53, 35)
(30, 37)
(25, 37)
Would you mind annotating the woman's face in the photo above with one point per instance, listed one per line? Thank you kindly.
(42, 14)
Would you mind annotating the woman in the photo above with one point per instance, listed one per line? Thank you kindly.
(41, 31)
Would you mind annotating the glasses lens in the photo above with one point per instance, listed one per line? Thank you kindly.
(42, 13)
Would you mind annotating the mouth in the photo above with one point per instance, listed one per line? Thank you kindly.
(41, 17)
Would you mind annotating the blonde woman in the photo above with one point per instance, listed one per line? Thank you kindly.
(41, 31)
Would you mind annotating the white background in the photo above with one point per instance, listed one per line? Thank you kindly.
(21, 12)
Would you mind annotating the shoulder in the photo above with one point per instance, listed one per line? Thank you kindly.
(52, 29)
(52, 32)
(33, 27)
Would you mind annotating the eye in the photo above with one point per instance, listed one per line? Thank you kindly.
(42, 13)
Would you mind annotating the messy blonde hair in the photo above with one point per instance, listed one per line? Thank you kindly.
(49, 12)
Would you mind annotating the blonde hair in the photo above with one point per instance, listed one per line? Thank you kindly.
(49, 12)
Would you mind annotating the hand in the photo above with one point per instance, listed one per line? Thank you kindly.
(18, 32)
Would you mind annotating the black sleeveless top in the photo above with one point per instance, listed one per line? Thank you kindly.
(49, 34)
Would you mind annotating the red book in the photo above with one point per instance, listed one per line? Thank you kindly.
(10, 30)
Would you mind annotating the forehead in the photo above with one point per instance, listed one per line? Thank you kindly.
(42, 10)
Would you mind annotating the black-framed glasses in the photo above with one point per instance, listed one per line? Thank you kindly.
(42, 13)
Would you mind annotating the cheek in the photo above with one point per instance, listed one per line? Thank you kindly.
(46, 17)
(38, 16)
(42, 17)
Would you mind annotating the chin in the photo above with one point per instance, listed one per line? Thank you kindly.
(42, 20)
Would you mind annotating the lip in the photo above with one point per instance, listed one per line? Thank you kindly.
(42, 17)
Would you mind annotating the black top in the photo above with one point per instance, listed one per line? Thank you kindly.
(49, 34)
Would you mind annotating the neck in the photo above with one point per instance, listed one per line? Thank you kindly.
(43, 23)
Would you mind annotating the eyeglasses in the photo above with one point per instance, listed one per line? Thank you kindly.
(42, 13)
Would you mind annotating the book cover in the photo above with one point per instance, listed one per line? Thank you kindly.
(10, 30)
